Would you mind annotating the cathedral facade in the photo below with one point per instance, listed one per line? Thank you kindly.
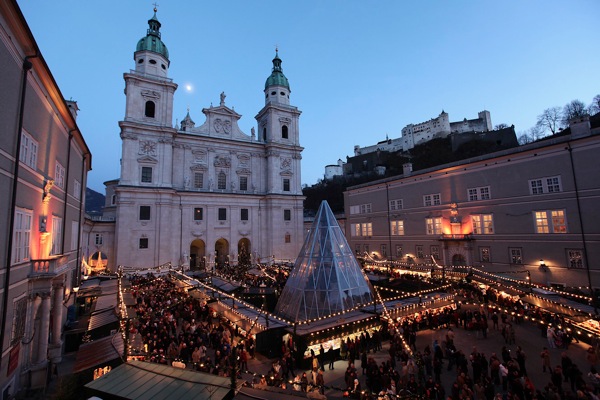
(200, 196)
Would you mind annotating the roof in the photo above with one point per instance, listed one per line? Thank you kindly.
(99, 352)
(141, 380)
(102, 318)
(152, 41)
(277, 78)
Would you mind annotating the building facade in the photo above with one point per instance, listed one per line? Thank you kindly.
(44, 165)
(200, 195)
(530, 208)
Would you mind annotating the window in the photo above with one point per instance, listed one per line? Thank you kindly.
(483, 224)
(56, 235)
(22, 235)
(357, 249)
(365, 229)
(28, 153)
(367, 248)
(198, 180)
(575, 258)
(432, 200)
(222, 181)
(222, 214)
(435, 252)
(146, 174)
(144, 213)
(419, 251)
(550, 184)
(361, 209)
(284, 132)
(399, 251)
(143, 243)
(484, 254)
(98, 240)
(59, 175)
(198, 214)
(516, 255)
(149, 109)
(76, 189)
(553, 221)
(384, 250)
(286, 185)
(397, 228)
(74, 234)
(243, 183)
(287, 215)
(244, 214)
(288, 238)
(396, 205)
(479, 193)
(264, 134)
(113, 199)
(434, 226)
(19, 318)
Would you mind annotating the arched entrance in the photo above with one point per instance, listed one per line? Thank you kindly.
(221, 251)
(458, 260)
(197, 255)
(244, 251)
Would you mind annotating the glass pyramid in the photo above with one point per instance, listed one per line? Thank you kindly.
(326, 278)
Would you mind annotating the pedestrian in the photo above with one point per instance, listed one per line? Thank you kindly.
(545, 355)
(331, 354)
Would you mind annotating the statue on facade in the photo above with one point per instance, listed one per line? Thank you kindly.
(223, 95)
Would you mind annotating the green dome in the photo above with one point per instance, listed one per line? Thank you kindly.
(277, 77)
(152, 40)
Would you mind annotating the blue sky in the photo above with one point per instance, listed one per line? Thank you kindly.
(358, 70)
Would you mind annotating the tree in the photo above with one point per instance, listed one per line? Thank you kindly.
(524, 138)
(594, 107)
(550, 119)
(500, 126)
(575, 108)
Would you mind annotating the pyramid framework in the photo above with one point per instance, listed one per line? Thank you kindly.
(326, 278)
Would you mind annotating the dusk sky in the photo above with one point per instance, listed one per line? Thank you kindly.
(358, 70)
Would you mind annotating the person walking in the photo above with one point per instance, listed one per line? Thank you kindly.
(545, 355)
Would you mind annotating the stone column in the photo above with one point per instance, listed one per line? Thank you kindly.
(55, 349)
(31, 355)
(42, 350)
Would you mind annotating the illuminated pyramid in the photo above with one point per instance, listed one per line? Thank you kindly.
(326, 278)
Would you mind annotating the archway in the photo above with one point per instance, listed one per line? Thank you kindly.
(221, 251)
(458, 260)
(98, 263)
(197, 254)
(244, 252)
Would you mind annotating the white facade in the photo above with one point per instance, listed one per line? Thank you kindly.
(194, 196)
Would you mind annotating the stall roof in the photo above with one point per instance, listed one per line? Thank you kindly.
(566, 306)
(226, 286)
(106, 302)
(244, 316)
(99, 352)
(141, 380)
(102, 318)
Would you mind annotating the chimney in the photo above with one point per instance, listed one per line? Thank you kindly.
(580, 126)
(407, 169)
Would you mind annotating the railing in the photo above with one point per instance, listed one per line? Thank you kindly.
(50, 266)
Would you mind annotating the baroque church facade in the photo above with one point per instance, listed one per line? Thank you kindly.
(198, 196)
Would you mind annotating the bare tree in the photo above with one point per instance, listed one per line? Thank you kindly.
(524, 138)
(530, 135)
(594, 107)
(575, 108)
(501, 126)
(550, 120)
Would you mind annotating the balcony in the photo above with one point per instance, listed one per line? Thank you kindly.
(49, 267)
(456, 237)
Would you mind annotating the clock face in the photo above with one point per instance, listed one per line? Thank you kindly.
(148, 147)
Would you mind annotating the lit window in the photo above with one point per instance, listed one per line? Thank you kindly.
(146, 174)
(483, 224)
(434, 226)
(22, 235)
(397, 228)
(550, 221)
(198, 214)
(28, 153)
(550, 184)
(59, 175)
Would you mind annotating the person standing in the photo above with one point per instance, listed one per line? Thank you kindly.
(331, 354)
(545, 354)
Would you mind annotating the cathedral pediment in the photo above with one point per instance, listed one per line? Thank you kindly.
(147, 160)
